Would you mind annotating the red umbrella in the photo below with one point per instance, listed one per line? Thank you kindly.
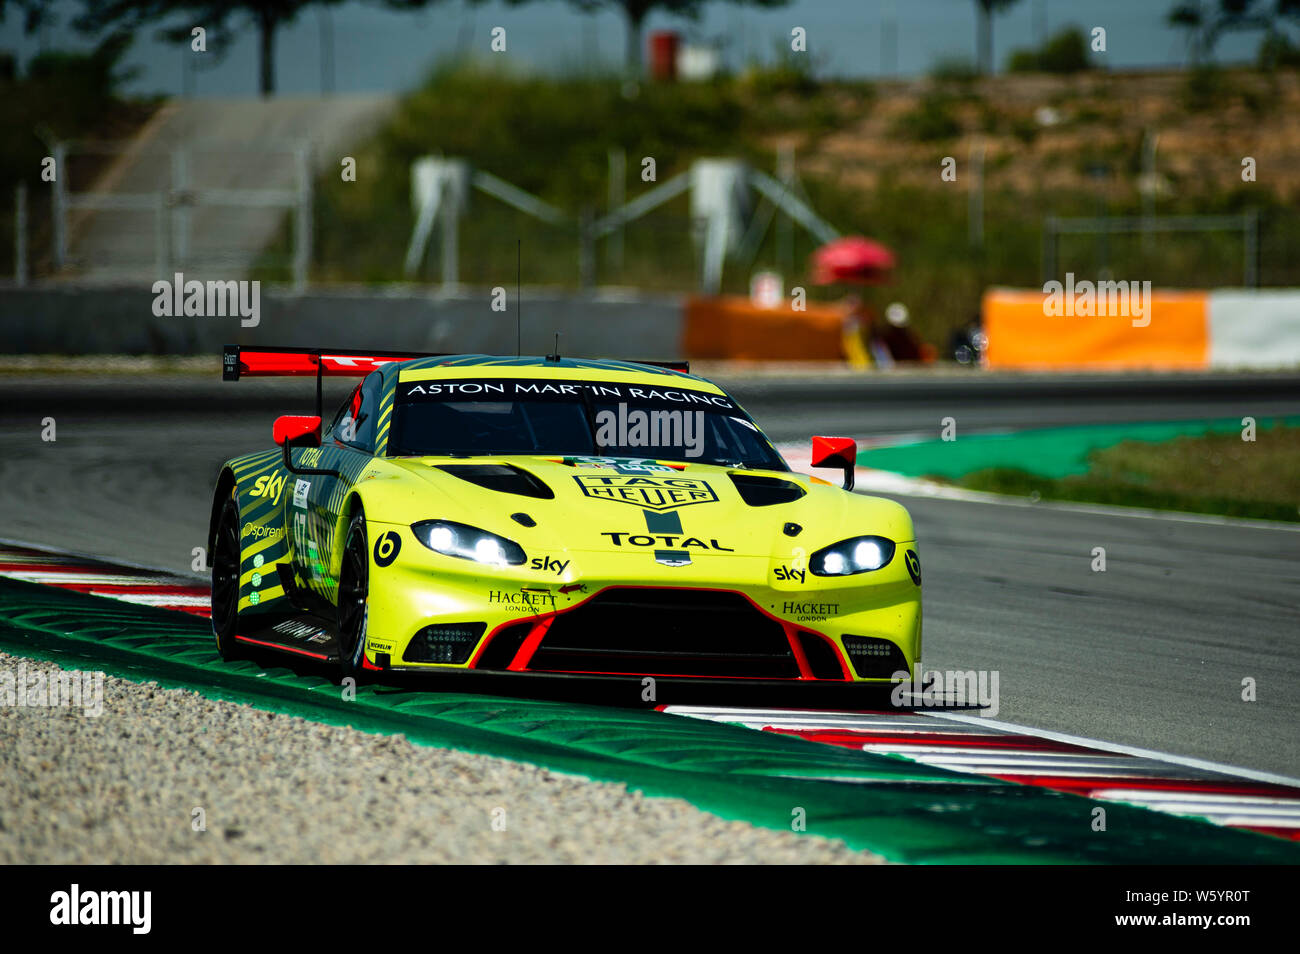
(852, 259)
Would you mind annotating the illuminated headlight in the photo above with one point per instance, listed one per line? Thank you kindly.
(468, 543)
(855, 555)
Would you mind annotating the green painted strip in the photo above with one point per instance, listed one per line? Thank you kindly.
(901, 809)
(1048, 452)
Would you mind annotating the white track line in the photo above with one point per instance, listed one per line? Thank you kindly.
(1202, 764)
(163, 600)
(74, 577)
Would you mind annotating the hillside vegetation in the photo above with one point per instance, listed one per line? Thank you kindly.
(869, 157)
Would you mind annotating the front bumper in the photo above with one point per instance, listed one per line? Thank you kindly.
(722, 617)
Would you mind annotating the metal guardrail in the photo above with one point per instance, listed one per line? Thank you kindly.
(173, 202)
(1247, 223)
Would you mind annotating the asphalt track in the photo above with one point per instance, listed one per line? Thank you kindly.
(1151, 653)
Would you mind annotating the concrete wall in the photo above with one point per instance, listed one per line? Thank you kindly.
(1190, 330)
(1254, 328)
(60, 319)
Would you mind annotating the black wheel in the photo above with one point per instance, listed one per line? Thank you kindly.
(354, 591)
(225, 581)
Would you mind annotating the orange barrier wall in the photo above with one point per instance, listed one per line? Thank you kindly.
(1020, 335)
(733, 327)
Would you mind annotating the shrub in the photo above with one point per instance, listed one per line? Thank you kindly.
(1066, 52)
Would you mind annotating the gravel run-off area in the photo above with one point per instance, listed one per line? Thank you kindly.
(124, 787)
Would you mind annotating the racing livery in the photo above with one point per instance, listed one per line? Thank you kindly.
(552, 515)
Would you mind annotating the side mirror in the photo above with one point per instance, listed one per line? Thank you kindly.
(293, 430)
(836, 452)
(297, 430)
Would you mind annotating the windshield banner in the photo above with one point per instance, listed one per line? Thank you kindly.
(524, 389)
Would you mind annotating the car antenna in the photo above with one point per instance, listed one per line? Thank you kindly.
(519, 326)
(555, 356)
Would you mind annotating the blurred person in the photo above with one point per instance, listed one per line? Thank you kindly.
(894, 340)
(858, 321)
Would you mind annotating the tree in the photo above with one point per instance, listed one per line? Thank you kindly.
(215, 16)
(1191, 16)
(34, 12)
(1066, 52)
(984, 10)
(1206, 24)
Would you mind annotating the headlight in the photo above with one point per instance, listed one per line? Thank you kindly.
(468, 543)
(855, 555)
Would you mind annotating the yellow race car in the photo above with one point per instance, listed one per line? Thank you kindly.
(552, 515)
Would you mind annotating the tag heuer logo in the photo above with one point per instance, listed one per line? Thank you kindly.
(651, 493)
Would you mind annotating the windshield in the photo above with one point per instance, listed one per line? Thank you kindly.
(574, 418)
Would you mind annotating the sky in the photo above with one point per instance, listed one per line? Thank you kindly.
(378, 50)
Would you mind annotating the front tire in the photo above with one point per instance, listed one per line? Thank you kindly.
(226, 560)
(354, 595)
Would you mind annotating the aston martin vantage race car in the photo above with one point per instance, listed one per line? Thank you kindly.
(552, 515)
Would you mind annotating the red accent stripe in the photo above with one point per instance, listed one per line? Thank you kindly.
(534, 639)
(1291, 834)
(287, 649)
(801, 660)
(204, 611)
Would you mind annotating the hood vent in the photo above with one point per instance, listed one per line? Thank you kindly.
(503, 478)
(766, 491)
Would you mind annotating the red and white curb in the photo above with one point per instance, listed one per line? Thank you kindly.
(86, 575)
(1235, 798)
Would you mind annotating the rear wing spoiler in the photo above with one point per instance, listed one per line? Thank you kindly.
(240, 361)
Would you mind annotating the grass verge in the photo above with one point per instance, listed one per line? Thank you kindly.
(1213, 473)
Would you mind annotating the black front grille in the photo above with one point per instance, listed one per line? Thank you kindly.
(502, 647)
(667, 632)
(822, 658)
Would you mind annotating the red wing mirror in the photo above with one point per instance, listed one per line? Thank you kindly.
(836, 452)
(300, 430)
(297, 430)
